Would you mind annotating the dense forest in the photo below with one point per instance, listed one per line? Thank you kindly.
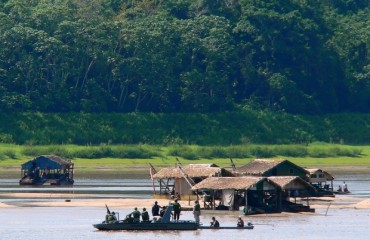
(300, 57)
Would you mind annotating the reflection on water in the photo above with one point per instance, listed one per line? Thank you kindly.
(122, 188)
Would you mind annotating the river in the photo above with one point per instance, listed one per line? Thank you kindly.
(22, 222)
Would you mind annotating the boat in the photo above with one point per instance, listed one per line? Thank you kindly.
(249, 226)
(47, 169)
(341, 192)
(163, 223)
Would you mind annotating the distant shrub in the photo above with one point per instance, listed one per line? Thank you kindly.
(211, 152)
(135, 151)
(183, 151)
(319, 152)
(34, 151)
(241, 151)
(337, 151)
(261, 152)
(10, 154)
(290, 150)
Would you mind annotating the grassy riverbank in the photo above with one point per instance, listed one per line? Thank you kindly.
(120, 160)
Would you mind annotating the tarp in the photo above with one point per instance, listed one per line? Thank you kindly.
(228, 197)
(47, 162)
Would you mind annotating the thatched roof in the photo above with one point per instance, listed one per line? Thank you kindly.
(258, 166)
(286, 182)
(220, 183)
(192, 170)
(315, 170)
(48, 162)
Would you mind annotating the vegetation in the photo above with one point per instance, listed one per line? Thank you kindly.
(224, 129)
(88, 159)
(302, 57)
(121, 81)
(187, 152)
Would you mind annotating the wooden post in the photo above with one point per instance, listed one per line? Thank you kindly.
(213, 199)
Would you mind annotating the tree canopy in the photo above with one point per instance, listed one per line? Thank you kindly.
(306, 57)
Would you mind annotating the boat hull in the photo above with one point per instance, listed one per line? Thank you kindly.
(181, 225)
(245, 227)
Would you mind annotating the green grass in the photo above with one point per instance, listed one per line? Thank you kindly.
(136, 157)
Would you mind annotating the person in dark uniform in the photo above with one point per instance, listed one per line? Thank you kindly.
(136, 215)
(176, 210)
(145, 215)
(215, 223)
(161, 214)
(155, 209)
(240, 222)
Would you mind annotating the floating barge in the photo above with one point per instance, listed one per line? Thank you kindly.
(47, 169)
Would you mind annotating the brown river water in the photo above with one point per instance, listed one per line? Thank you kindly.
(328, 222)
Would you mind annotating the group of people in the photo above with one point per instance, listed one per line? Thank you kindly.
(136, 214)
(214, 223)
(158, 211)
(344, 189)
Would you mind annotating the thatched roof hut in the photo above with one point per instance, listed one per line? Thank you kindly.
(268, 167)
(192, 171)
(291, 183)
(319, 175)
(195, 172)
(221, 183)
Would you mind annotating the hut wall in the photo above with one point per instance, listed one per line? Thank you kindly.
(318, 177)
(182, 186)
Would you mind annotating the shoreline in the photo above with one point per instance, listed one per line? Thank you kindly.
(142, 172)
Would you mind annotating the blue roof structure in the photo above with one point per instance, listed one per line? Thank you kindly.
(47, 162)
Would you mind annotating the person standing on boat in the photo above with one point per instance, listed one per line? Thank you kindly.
(345, 188)
(240, 222)
(145, 215)
(155, 209)
(215, 223)
(196, 212)
(136, 215)
(176, 210)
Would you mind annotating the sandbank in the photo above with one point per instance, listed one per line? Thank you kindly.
(89, 200)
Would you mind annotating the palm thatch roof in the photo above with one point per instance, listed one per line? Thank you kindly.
(328, 176)
(48, 162)
(290, 182)
(258, 166)
(220, 183)
(192, 171)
